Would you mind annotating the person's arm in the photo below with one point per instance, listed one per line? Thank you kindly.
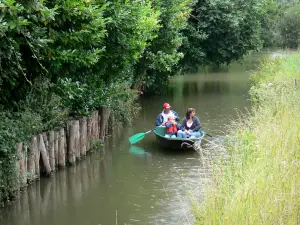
(168, 124)
(177, 118)
(158, 121)
(183, 124)
(197, 124)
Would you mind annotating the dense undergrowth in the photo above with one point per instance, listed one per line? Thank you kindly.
(260, 184)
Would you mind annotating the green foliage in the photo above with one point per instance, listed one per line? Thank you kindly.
(14, 127)
(220, 32)
(270, 34)
(160, 58)
(47, 105)
(290, 28)
(132, 27)
(77, 36)
(280, 24)
(22, 42)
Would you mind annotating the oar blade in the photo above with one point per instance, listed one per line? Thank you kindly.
(136, 138)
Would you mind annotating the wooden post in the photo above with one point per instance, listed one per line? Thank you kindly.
(18, 162)
(71, 142)
(31, 161)
(104, 113)
(83, 135)
(110, 124)
(96, 125)
(51, 150)
(56, 147)
(46, 140)
(77, 139)
(36, 153)
(89, 132)
(45, 157)
(295, 82)
(66, 144)
(23, 166)
(61, 148)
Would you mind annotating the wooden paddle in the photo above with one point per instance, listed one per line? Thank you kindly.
(137, 137)
(208, 135)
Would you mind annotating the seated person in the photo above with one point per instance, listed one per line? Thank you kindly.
(190, 127)
(171, 127)
(162, 118)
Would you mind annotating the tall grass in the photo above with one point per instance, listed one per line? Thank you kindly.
(260, 183)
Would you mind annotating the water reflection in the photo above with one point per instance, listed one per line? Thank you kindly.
(215, 87)
(138, 151)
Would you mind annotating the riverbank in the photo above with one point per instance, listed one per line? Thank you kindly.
(46, 152)
(259, 184)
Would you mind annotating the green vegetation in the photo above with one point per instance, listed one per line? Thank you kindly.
(220, 32)
(259, 184)
(159, 60)
(290, 28)
(62, 59)
(280, 24)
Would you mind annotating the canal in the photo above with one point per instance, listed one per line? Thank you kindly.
(141, 184)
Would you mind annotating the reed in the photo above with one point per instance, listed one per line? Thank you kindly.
(260, 183)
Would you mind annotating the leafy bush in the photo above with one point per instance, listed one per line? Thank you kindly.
(290, 28)
(159, 60)
(14, 128)
(220, 32)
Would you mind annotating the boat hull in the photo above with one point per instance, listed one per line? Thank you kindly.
(174, 143)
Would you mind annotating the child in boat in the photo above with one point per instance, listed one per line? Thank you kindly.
(171, 127)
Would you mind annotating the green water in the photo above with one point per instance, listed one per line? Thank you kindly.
(141, 184)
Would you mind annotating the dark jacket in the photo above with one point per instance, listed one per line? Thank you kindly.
(160, 118)
(195, 126)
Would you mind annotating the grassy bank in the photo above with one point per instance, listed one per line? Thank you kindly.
(260, 184)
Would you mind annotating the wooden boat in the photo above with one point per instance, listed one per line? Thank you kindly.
(176, 143)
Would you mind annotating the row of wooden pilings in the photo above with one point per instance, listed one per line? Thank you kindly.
(55, 149)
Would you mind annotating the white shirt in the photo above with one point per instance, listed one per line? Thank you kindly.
(166, 116)
(188, 124)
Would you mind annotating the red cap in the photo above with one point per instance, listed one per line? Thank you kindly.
(166, 106)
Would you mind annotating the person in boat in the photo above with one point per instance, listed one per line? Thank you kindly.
(171, 127)
(190, 126)
(162, 118)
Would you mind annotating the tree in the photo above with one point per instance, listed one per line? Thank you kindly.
(270, 34)
(290, 28)
(22, 43)
(159, 59)
(222, 31)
